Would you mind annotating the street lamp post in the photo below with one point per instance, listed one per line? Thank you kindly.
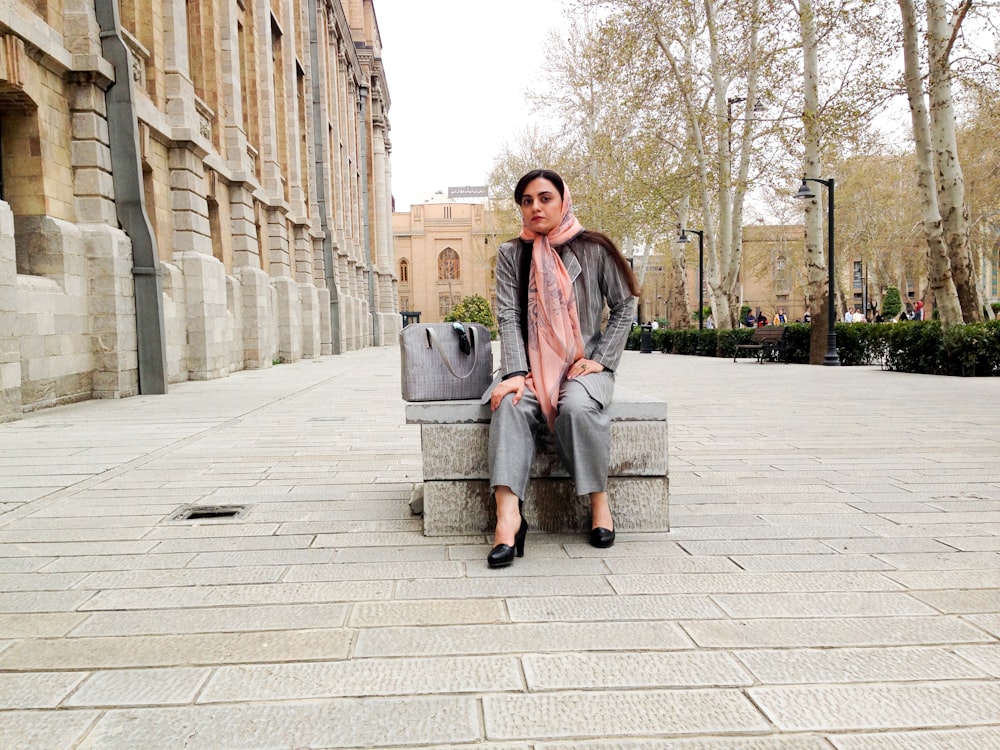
(701, 270)
(831, 357)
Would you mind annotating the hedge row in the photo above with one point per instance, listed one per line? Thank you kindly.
(912, 346)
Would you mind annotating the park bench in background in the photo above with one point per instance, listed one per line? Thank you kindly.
(768, 342)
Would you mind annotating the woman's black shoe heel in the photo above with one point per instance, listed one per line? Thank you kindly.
(503, 554)
(602, 538)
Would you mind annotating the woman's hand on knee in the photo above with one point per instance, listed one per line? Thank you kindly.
(513, 385)
(584, 367)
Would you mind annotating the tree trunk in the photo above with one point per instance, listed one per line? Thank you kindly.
(816, 267)
(938, 264)
(944, 143)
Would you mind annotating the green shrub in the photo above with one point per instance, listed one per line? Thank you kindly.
(729, 338)
(892, 303)
(797, 343)
(474, 309)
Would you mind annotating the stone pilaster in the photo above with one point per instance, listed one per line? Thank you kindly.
(175, 322)
(206, 312)
(325, 321)
(10, 356)
(289, 317)
(311, 312)
(259, 344)
(111, 302)
(234, 324)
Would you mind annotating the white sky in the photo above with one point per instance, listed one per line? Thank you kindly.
(457, 71)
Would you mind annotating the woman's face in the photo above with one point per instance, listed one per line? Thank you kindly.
(541, 206)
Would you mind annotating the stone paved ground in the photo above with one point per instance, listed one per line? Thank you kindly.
(832, 580)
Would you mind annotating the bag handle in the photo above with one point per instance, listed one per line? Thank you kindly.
(435, 343)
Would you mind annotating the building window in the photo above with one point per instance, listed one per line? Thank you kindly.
(447, 212)
(446, 303)
(404, 270)
(449, 268)
(782, 283)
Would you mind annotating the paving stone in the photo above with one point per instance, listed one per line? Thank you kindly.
(43, 601)
(15, 535)
(364, 677)
(851, 604)
(147, 579)
(206, 529)
(612, 608)
(176, 650)
(886, 545)
(147, 561)
(23, 564)
(949, 579)
(988, 622)
(621, 714)
(812, 562)
(213, 620)
(37, 689)
(811, 666)
(391, 554)
(336, 723)
(444, 612)
(961, 602)
(518, 638)
(628, 671)
(976, 543)
(375, 571)
(805, 633)
(867, 707)
(34, 730)
(503, 586)
(237, 594)
(756, 547)
(749, 582)
(231, 544)
(262, 557)
(38, 581)
(728, 742)
(39, 624)
(59, 549)
(372, 539)
(943, 561)
(140, 687)
(985, 657)
(672, 564)
(953, 739)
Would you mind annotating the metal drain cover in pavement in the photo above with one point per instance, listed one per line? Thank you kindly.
(209, 512)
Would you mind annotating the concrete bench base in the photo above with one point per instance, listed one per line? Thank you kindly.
(454, 439)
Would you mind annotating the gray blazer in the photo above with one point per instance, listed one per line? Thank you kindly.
(599, 286)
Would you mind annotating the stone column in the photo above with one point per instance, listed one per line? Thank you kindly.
(204, 276)
(10, 356)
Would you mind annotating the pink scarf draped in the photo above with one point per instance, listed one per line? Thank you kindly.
(554, 339)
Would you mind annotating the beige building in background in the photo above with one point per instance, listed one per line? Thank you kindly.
(188, 188)
(444, 251)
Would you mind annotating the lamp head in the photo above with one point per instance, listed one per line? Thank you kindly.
(805, 191)
(683, 237)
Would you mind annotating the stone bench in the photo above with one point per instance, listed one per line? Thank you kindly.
(454, 439)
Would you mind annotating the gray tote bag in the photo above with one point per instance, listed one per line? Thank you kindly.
(445, 361)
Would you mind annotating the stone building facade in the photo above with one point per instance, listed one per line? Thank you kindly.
(188, 188)
(445, 252)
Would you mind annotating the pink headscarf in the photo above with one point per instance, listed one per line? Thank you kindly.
(554, 339)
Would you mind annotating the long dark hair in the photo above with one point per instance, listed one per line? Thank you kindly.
(588, 234)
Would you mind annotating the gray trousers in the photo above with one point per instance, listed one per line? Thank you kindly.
(583, 439)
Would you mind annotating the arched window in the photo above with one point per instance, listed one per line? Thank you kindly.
(404, 270)
(449, 268)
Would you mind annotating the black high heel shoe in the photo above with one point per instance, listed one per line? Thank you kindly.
(602, 538)
(503, 554)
